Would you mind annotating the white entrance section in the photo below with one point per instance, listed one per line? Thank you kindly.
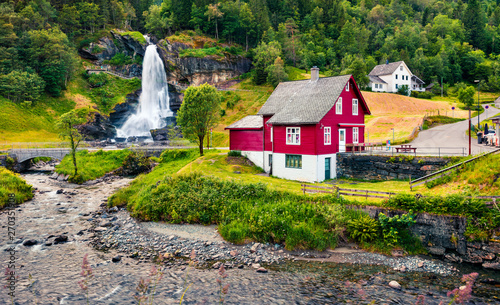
(267, 167)
(341, 140)
(255, 156)
(313, 168)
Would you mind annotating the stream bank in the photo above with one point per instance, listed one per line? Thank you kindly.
(303, 277)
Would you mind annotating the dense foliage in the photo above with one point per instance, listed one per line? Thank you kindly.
(11, 183)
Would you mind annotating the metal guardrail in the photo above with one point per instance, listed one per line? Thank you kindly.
(445, 171)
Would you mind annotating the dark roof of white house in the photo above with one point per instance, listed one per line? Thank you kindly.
(248, 122)
(305, 101)
(385, 69)
(376, 79)
(417, 79)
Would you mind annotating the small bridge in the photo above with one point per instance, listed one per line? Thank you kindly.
(23, 155)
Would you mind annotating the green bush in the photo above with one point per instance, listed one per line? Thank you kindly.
(424, 95)
(97, 80)
(234, 153)
(393, 228)
(363, 228)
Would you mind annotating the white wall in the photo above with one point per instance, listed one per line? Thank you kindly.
(389, 79)
(255, 157)
(381, 88)
(266, 167)
(405, 73)
(313, 168)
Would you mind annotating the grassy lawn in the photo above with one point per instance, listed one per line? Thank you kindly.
(11, 183)
(93, 165)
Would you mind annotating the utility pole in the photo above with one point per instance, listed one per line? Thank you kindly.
(469, 133)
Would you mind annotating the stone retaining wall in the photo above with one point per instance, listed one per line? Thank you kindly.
(368, 167)
(444, 236)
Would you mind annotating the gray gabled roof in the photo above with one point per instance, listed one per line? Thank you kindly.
(305, 101)
(376, 79)
(248, 122)
(385, 69)
(417, 79)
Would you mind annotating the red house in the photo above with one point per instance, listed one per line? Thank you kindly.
(302, 126)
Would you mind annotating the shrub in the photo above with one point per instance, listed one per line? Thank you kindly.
(97, 80)
(11, 183)
(393, 228)
(135, 163)
(234, 153)
(363, 228)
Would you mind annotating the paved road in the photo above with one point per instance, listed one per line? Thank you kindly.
(451, 138)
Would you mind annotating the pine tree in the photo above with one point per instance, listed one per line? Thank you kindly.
(474, 21)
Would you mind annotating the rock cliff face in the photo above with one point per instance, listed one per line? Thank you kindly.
(196, 71)
(108, 46)
(121, 112)
(98, 127)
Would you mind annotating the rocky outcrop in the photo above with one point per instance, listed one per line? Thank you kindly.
(98, 127)
(130, 46)
(443, 236)
(122, 111)
(368, 167)
(196, 71)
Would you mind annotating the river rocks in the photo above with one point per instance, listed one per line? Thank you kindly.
(437, 251)
(116, 259)
(60, 191)
(30, 242)
(60, 239)
(261, 270)
(395, 285)
(494, 266)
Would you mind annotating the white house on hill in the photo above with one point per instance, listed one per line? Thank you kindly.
(390, 77)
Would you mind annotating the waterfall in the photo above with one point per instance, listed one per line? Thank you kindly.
(154, 102)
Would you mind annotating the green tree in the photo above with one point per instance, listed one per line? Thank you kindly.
(199, 112)
(265, 55)
(357, 67)
(247, 21)
(156, 23)
(276, 72)
(214, 13)
(52, 57)
(474, 22)
(66, 125)
(21, 86)
(466, 96)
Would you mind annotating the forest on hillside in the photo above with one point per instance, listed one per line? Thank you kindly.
(454, 41)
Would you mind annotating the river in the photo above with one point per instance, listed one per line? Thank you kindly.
(48, 272)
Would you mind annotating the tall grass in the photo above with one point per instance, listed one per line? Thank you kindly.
(93, 165)
(11, 183)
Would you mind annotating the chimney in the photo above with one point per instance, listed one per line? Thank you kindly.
(314, 74)
(386, 61)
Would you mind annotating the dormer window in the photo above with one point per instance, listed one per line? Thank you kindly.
(347, 87)
(338, 106)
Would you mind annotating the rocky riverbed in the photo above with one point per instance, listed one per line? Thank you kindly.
(64, 222)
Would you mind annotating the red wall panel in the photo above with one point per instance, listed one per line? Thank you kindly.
(307, 140)
(246, 140)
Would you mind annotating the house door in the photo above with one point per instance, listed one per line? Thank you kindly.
(327, 168)
(270, 164)
(341, 140)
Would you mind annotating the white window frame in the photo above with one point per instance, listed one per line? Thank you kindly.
(347, 87)
(327, 136)
(355, 135)
(271, 134)
(338, 106)
(355, 107)
(293, 135)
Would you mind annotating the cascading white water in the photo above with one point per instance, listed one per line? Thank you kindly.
(154, 103)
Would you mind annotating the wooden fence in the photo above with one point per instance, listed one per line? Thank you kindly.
(307, 188)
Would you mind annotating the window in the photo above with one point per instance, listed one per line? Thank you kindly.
(396, 76)
(401, 68)
(338, 106)
(293, 135)
(406, 77)
(328, 135)
(354, 106)
(396, 86)
(355, 135)
(347, 87)
(293, 161)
